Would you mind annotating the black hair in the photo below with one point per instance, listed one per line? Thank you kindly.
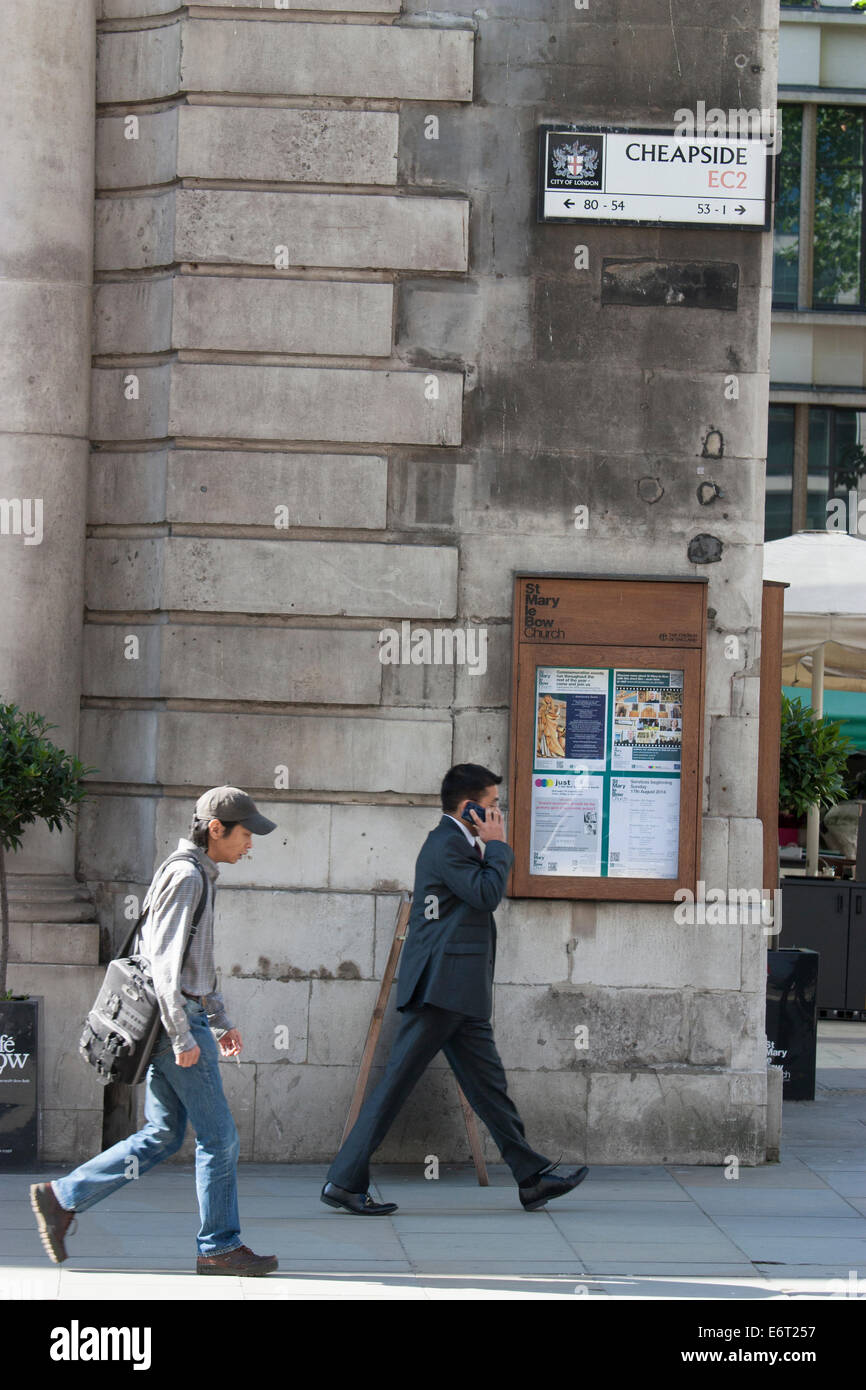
(465, 782)
(199, 830)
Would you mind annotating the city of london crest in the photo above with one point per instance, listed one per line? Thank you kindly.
(574, 161)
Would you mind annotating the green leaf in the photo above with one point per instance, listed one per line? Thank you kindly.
(813, 760)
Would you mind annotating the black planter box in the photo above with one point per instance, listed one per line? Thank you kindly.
(19, 1088)
(828, 915)
(792, 1019)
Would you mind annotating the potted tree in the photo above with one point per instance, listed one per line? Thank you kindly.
(813, 764)
(38, 781)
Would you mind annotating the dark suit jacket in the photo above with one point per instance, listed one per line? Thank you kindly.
(450, 957)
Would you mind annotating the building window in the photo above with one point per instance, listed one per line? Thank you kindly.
(831, 434)
(838, 273)
(778, 513)
(797, 498)
(833, 142)
(821, 5)
(786, 234)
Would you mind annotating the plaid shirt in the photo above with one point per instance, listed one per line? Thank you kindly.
(172, 899)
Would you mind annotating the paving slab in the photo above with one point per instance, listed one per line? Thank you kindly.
(621, 1255)
(787, 1202)
(687, 1280)
(543, 1242)
(780, 1231)
(798, 1250)
(755, 1228)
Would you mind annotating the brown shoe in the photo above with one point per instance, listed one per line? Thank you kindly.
(52, 1219)
(238, 1261)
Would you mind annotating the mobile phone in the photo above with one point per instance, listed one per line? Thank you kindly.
(479, 810)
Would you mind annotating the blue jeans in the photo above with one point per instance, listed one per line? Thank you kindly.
(173, 1095)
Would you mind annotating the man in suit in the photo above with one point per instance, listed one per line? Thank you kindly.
(445, 996)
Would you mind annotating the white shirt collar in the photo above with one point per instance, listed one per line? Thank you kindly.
(466, 831)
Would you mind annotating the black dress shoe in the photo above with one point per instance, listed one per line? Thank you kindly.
(550, 1185)
(359, 1203)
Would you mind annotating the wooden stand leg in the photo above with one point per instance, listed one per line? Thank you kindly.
(375, 1029)
(378, 1013)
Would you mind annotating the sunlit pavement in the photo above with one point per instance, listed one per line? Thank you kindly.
(796, 1229)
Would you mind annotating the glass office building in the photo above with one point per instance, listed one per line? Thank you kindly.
(817, 417)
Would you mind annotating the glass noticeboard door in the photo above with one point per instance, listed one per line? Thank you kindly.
(605, 793)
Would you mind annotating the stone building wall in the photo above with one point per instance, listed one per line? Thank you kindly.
(343, 379)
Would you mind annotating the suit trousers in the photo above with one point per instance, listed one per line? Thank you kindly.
(468, 1044)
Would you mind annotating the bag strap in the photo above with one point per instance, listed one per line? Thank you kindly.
(125, 948)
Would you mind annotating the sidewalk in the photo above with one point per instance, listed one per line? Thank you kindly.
(785, 1230)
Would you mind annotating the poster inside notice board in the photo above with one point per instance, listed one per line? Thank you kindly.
(607, 765)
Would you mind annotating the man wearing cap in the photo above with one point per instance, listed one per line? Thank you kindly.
(183, 1080)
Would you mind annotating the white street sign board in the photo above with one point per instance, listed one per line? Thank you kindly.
(653, 177)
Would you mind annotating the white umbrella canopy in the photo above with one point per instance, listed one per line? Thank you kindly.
(824, 617)
(825, 605)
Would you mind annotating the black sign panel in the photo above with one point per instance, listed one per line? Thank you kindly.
(575, 161)
(18, 1082)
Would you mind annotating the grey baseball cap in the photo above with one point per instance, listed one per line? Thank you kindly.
(230, 803)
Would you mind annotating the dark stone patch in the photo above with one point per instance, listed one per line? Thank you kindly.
(670, 284)
(708, 492)
(650, 489)
(704, 549)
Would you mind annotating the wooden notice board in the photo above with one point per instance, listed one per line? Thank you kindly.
(607, 719)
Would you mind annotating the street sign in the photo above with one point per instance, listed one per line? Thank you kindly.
(653, 178)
